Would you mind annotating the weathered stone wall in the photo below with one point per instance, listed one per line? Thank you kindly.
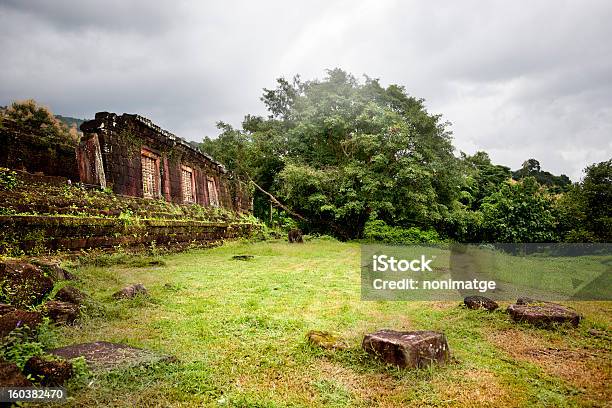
(122, 140)
(40, 234)
(89, 158)
(43, 213)
(27, 152)
(46, 195)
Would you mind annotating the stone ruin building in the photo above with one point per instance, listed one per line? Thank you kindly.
(156, 177)
(135, 157)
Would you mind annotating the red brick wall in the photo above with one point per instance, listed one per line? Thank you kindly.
(123, 137)
(30, 153)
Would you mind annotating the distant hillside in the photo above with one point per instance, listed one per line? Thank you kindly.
(69, 121)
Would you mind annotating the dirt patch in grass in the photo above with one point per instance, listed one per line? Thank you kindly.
(588, 369)
(469, 388)
(475, 388)
(378, 390)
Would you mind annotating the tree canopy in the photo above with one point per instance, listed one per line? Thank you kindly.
(28, 117)
(531, 168)
(345, 154)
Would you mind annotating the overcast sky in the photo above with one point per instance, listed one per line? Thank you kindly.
(518, 79)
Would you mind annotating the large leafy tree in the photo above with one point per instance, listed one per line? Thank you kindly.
(340, 152)
(519, 212)
(29, 118)
(481, 178)
(357, 151)
(597, 193)
(584, 211)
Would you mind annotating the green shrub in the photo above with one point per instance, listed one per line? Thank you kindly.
(378, 230)
(23, 343)
(8, 179)
(320, 237)
(29, 117)
(262, 232)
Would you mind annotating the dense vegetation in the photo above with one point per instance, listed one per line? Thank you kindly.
(355, 159)
(30, 118)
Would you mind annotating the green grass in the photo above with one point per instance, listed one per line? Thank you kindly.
(238, 329)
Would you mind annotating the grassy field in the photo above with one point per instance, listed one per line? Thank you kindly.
(238, 330)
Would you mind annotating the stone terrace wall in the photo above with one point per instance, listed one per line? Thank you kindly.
(34, 234)
(44, 213)
(30, 153)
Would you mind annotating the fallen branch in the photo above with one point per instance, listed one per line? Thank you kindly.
(276, 202)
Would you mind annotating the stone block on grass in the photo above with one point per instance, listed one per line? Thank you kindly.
(408, 349)
(131, 291)
(50, 373)
(10, 376)
(544, 314)
(19, 319)
(104, 356)
(61, 312)
(70, 294)
(243, 257)
(54, 269)
(480, 302)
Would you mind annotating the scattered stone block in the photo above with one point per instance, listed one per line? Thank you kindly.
(295, 236)
(480, 302)
(10, 376)
(23, 284)
(102, 355)
(413, 349)
(242, 257)
(70, 294)
(19, 318)
(61, 312)
(326, 340)
(50, 373)
(544, 314)
(131, 291)
(54, 269)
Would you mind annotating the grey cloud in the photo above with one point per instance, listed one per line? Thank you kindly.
(110, 15)
(519, 80)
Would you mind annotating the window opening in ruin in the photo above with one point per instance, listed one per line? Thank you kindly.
(213, 195)
(187, 184)
(150, 175)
